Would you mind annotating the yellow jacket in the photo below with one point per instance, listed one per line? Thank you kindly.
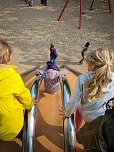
(14, 97)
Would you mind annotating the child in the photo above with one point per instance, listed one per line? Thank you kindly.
(92, 90)
(29, 2)
(43, 3)
(53, 53)
(14, 96)
(85, 49)
(51, 77)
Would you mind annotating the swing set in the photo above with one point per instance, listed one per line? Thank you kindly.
(80, 16)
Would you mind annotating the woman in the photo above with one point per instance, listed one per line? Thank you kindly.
(92, 90)
(14, 96)
(51, 77)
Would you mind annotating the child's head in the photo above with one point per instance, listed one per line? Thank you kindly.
(52, 45)
(51, 65)
(5, 52)
(99, 61)
(87, 44)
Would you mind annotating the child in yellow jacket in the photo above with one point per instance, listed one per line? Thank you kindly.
(14, 96)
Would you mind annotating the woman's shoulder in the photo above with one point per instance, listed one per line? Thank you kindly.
(7, 66)
(112, 79)
(113, 75)
(8, 72)
(86, 75)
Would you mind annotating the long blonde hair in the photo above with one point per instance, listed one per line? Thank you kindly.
(5, 52)
(102, 60)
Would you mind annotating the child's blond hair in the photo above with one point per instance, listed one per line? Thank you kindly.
(102, 60)
(5, 52)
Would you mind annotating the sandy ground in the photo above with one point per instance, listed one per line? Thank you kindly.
(30, 30)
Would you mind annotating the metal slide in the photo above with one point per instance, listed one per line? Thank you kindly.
(30, 120)
(68, 124)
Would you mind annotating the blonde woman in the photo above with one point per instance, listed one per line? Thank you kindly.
(91, 91)
(14, 96)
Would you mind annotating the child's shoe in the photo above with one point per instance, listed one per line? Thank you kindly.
(45, 4)
(26, 1)
(30, 4)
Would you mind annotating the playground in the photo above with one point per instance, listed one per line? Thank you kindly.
(30, 30)
(69, 25)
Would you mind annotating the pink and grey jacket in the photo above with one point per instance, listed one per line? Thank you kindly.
(51, 79)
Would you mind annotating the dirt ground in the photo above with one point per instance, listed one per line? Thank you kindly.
(30, 30)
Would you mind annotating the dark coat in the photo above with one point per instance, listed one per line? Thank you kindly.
(53, 53)
(99, 134)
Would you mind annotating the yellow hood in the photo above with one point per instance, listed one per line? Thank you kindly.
(6, 70)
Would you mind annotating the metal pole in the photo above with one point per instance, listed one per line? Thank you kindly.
(80, 21)
(109, 6)
(63, 10)
(91, 5)
(68, 124)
